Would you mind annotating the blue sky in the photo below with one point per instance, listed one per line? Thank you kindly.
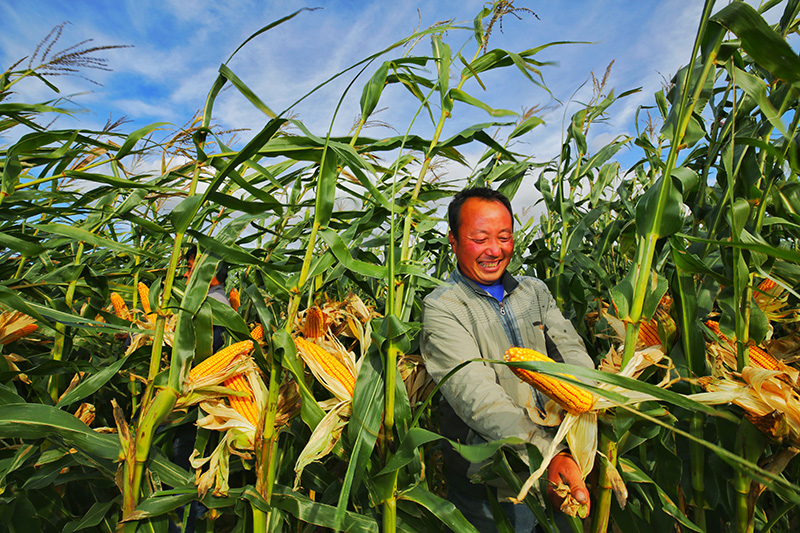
(177, 47)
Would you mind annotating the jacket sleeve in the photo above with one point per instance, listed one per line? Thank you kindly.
(561, 331)
(473, 392)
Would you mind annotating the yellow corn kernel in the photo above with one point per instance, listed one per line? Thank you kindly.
(766, 285)
(244, 405)
(574, 399)
(648, 333)
(714, 326)
(221, 359)
(762, 359)
(119, 306)
(144, 296)
(234, 299)
(332, 366)
(314, 325)
(257, 333)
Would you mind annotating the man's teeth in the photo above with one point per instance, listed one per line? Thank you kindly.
(490, 265)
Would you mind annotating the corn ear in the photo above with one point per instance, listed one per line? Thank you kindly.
(328, 363)
(757, 356)
(234, 299)
(766, 285)
(574, 399)
(314, 325)
(244, 405)
(648, 334)
(762, 359)
(257, 334)
(120, 308)
(221, 359)
(144, 296)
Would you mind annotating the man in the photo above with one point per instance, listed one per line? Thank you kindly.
(479, 313)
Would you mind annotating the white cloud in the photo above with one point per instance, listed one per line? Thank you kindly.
(179, 47)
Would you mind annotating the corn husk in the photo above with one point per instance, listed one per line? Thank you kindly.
(762, 394)
(329, 381)
(14, 325)
(324, 438)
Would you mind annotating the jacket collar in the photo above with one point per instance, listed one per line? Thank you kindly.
(509, 283)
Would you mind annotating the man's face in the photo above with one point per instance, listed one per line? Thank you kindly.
(485, 240)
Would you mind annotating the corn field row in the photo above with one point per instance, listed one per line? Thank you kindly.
(680, 273)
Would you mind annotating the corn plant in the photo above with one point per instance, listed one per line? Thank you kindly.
(316, 412)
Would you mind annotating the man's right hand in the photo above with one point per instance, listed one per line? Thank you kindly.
(564, 470)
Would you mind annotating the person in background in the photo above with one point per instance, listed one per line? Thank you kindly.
(216, 289)
(480, 312)
(185, 434)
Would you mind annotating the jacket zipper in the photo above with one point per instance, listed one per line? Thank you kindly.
(538, 397)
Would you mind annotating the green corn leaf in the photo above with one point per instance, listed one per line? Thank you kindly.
(326, 188)
(658, 211)
(82, 235)
(441, 52)
(441, 508)
(372, 91)
(183, 214)
(287, 353)
(461, 96)
(363, 429)
(759, 40)
(25, 247)
(37, 421)
(228, 74)
(339, 249)
(635, 475)
(135, 137)
(311, 512)
(91, 384)
(526, 126)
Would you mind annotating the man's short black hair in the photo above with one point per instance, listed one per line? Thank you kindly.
(484, 193)
(222, 268)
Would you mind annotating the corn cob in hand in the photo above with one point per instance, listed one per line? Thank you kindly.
(574, 399)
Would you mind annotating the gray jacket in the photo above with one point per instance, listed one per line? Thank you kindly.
(461, 321)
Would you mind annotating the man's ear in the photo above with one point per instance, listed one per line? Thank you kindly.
(452, 240)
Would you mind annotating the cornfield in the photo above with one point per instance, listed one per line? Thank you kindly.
(680, 273)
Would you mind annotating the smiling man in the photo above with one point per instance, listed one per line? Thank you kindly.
(480, 312)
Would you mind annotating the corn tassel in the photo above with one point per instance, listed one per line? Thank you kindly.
(757, 356)
(574, 399)
(234, 299)
(144, 296)
(244, 405)
(314, 325)
(119, 307)
(332, 366)
(221, 360)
